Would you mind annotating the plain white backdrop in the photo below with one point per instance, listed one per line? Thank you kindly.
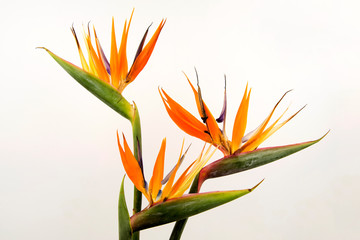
(60, 169)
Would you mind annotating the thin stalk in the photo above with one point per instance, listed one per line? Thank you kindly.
(136, 129)
(180, 225)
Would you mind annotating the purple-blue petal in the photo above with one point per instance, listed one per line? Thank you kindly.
(222, 116)
(104, 60)
(141, 45)
(172, 170)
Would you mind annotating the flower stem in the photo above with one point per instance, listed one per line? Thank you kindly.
(137, 208)
(136, 129)
(180, 225)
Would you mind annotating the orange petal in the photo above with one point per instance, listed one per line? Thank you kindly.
(158, 172)
(131, 166)
(240, 121)
(144, 55)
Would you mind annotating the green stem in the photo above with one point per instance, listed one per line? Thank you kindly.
(180, 225)
(136, 129)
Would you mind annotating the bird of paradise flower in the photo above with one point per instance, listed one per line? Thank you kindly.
(209, 131)
(154, 192)
(116, 72)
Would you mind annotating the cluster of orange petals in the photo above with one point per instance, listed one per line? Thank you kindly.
(172, 189)
(209, 131)
(116, 72)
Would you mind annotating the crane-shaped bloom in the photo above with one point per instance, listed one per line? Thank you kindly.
(172, 189)
(208, 129)
(116, 72)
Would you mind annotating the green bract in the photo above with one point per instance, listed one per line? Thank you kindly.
(183, 207)
(248, 160)
(104, 91)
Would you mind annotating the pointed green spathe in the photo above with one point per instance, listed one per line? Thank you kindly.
(183, 207)
(125, 231)
(99, 88)
(248, 160)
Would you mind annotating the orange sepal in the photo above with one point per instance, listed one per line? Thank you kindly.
(92, 68)
(123, 64)
(158, 172)
(185, 180)
(114, 58)
(97, 63)
(167, 189)
(257, 133)
(183, 113)
(101, 62)
(207, 116)
(82, 58)
(198, 105)
(183, 119)
(253, 142)
(179, 185)
(144, 55)
(132, 167)
(240, 121)
(213, 127)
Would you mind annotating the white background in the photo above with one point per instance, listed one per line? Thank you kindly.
(60, 169)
